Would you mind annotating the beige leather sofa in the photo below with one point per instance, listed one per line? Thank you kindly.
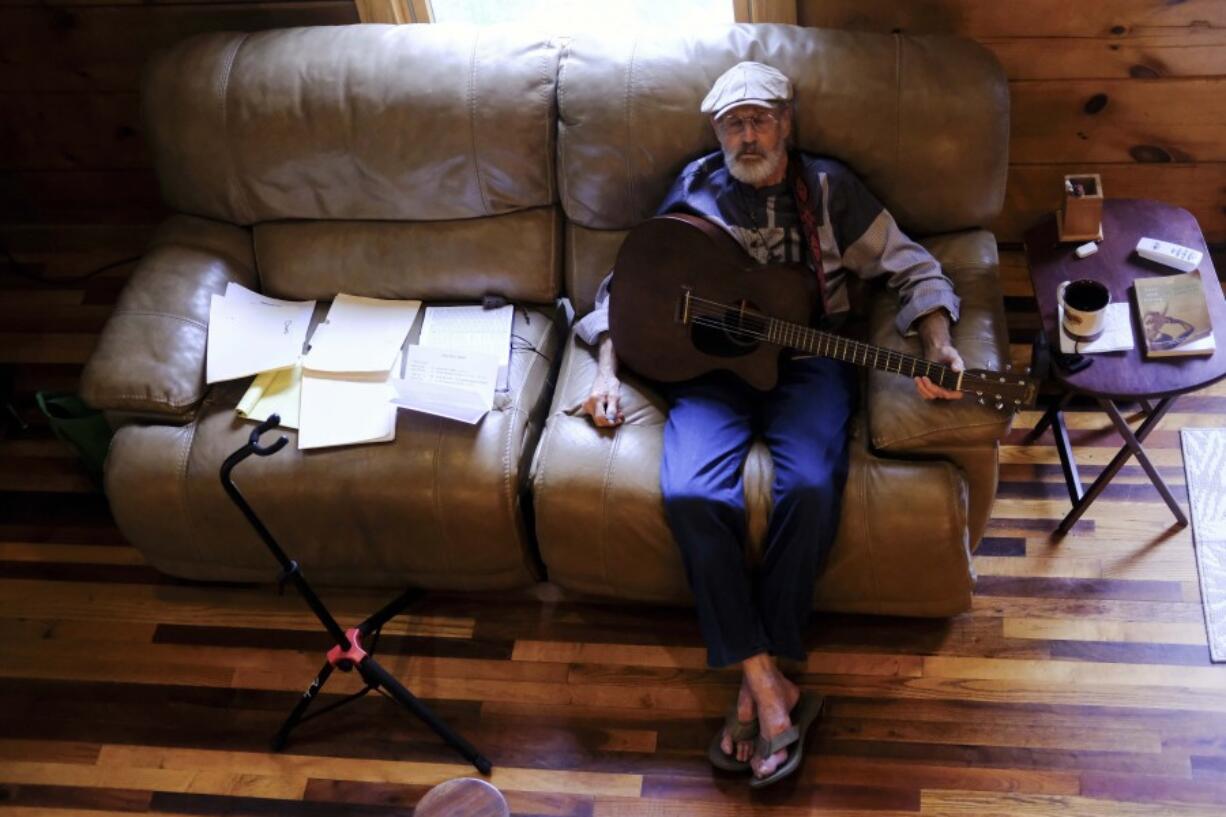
(421, 161)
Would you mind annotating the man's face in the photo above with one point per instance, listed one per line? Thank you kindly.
(754, 141)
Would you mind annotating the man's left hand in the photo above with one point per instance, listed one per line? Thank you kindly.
(934, 333)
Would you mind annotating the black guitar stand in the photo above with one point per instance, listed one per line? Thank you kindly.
(348, 654)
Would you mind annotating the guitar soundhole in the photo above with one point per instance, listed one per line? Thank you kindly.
(731, 331)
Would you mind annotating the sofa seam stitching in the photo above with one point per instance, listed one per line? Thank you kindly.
(868, 535)
(897, 101)
(438, 511)
(224, 93)
(604, 511)
(930, 433)
(472, 123)
(119, 313)
(184, 456)
(629, 124)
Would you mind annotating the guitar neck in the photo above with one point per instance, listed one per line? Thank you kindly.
(825, 344)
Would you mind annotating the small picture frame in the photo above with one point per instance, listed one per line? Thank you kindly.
(1081, 217)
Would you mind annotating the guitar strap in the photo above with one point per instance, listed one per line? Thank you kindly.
(807, 208)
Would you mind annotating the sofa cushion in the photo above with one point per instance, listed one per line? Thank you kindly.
(437, 508)
(354, 122)
(514, 255)
(902, 546)
(922, 119)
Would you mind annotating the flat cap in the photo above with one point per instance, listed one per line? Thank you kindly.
(747, 83)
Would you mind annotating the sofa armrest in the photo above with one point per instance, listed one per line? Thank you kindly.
(150, 358)
(899, 419)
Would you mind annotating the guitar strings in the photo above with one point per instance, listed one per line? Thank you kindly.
(757, 325)
(754, 324)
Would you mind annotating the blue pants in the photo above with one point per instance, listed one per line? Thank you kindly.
(711, 423)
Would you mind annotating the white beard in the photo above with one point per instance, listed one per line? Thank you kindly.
(756, 170)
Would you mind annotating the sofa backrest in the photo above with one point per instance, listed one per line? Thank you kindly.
(377, 160)
(923, 120)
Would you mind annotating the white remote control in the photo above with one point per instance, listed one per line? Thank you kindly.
(1184, 259)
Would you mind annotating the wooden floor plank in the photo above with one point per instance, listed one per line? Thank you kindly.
(1078, 682)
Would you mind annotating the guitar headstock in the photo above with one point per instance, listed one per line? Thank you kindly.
(1007, 391)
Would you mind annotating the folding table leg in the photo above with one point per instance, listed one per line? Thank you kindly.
(1133, 443)
(1117, 462)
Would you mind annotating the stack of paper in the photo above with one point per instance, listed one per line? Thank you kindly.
(339, 393)
(462, 357)
(251, 333)
(346, 396)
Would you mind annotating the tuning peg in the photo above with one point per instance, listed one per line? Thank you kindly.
(982, 402)
(1000, 406)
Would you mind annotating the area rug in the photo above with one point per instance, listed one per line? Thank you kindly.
(1204, 463)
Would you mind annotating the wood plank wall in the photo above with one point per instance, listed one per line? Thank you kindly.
(71, 147)
(1132, 89)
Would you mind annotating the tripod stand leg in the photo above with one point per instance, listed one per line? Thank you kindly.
(376, 675)
(390, 610)
(282, 736)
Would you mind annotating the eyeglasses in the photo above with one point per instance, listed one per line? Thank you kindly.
(736, 125)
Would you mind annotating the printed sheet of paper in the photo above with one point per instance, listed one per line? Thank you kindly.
(278, 392)
(238, 292)
(451, 383)
(360, 335)
(340, 410)
(248, 336)
(472, 328)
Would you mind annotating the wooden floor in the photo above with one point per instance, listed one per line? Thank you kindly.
(1079, 683)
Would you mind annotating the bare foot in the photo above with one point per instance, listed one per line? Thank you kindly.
(745, 711)
(775, 697)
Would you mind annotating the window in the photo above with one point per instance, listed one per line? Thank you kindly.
(566, 16)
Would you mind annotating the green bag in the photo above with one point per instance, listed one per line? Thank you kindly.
(83, 428)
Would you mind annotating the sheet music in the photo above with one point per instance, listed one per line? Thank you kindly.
(360, 335)
(248, 336)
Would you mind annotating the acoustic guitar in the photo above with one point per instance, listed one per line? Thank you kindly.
(688, 300)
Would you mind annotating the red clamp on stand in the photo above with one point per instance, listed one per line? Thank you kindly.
(345, 660)
(348, 653)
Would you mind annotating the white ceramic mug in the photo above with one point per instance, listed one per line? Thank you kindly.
(1085, 308)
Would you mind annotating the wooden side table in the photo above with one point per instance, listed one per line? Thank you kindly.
(1125, 376)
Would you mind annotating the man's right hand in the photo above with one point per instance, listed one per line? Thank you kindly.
(603, 402)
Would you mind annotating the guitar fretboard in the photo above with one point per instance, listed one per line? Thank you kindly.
(825, 344)
(754, 325)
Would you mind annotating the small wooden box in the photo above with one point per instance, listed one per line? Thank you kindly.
(1081, 218)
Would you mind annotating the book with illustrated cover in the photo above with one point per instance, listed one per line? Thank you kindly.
(1174, 315)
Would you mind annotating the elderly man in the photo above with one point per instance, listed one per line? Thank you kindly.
(781, 207)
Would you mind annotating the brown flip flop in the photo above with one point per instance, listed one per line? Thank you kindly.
(803, 715)
(737, 730)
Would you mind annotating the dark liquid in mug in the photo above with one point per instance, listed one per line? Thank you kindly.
(1088, 296)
